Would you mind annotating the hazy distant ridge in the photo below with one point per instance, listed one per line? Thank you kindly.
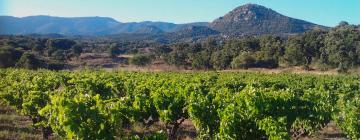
(248, 19)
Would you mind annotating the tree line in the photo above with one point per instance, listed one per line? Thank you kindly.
(54, 53)
(338, 48)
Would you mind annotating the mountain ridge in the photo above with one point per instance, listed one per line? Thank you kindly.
(253, 19)
(249, 19)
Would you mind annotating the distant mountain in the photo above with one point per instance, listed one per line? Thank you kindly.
(58, 25)
(149, 30)
(82, 26)
(186, 33)
(47, 35)
(245, 20)
(136, 27)
(252, 19)
(190, 31)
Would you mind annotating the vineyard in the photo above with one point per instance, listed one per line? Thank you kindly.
(226, 106)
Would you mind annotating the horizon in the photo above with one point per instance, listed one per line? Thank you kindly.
(179, 12)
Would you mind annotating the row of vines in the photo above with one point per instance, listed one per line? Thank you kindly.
(98, 104)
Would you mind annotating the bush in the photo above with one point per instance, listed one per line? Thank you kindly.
(201, 60)
(76, 50)
(59, 55)
(243, 61)
(113, 51)
(8, 57)
(267, 63)
(62, 44)
(55, 66)
(28, 61)
(140, 60)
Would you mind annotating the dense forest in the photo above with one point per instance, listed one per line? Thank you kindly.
(336, 48)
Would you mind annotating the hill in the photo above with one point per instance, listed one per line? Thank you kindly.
(246, 20)
(252, 19)
(58, 25)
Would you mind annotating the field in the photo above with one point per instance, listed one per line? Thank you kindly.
(176, 105)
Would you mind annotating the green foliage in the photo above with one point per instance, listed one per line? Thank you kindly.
(337, 47)
(85, 116)
(348, 113)
(202, 106)
(76, 50)
(8, 57)
(294, 55)
(144, 107)
(60, 55)
(140, 60)
(341, 47)
(28, 92)
(350, 122)
(113, 51)
(170, 104)
(29, 61)
(202, 60)
(236, 123)
(100, 105)
(62, 44)
(178, 56)
(244, 60)
(275, 129)
(221, 60)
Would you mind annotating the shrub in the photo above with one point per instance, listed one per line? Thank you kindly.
(28, 61)
(8, 57)
(140, 60)
(243, 61)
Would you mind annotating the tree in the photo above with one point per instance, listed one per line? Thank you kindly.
(63, 44)
(343, 24)
(59, 55)
(201, 60)
(247, 44)
(244, 60)
(113, 51)
(162, 50)
(313, 41)
(178, 57)
(38, 45)
(271, 46)
(294, 54)
(54, 45)
(76, 50)
(8, 57)
(28, 61)
(264, 60)
(221, 60)
(140, 60)
(342, 47)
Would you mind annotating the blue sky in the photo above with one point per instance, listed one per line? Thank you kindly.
(325, 12)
